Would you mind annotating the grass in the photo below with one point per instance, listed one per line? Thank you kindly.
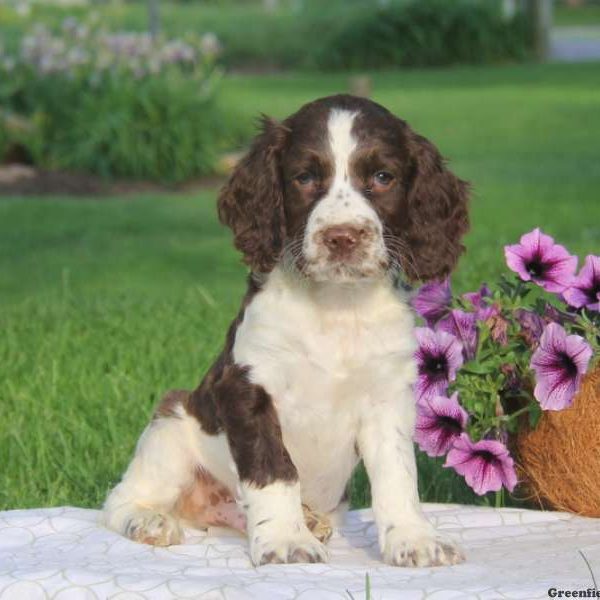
(577, 16)
(107, 303)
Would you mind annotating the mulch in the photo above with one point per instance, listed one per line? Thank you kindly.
(25, 180)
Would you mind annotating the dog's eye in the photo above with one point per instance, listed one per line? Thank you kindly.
(305, 178)
(383, 178)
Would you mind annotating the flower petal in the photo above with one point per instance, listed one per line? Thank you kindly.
(486, 465)
(585, 289)
(556, 265)
(559, 364)
(432, 300)
(438, 356)
(462, 325)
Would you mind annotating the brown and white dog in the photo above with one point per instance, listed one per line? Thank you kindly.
(330, 209)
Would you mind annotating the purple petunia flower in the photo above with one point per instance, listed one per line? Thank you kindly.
(432, 300)
(559, 364)
(537, 258)
(585, 289)
(481, 304)
(438, 357)
(488, 312)
(477, 298)
(440, 421)
(486, 465)
(462, 325)
(532, 326)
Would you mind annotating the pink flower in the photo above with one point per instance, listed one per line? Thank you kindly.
(440, 421)
(462, 325)
(477, 298)
(486, 465)
(585, 289)
(481, 303)
(438, 357)
(537, 258)
(559, 364)
(432, 300)
(532, 326)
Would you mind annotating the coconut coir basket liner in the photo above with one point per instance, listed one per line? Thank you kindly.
(560, 459)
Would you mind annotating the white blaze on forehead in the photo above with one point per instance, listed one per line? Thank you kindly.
(341, 140)
(343, 204)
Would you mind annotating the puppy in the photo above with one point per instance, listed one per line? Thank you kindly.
(330, 209)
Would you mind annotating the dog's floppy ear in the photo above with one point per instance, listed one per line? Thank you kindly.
(251, 202)
(436, 216)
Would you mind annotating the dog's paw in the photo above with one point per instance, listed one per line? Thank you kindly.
(154, 528)
(300, 547)
(419, 549)
(318, 524)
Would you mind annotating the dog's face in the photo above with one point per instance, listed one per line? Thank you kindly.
(344, 191)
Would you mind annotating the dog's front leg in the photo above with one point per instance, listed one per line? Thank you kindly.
(269, 484)
(385, 441)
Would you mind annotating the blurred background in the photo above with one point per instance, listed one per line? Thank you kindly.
(119, 120)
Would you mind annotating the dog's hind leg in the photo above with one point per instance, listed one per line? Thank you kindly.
(168, 455)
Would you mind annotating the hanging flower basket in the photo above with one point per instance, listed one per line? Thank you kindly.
(559, 460)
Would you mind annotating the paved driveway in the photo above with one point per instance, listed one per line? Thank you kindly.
(575, 44)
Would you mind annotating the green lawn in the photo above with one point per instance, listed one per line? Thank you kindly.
(578, 16)
(106, 303)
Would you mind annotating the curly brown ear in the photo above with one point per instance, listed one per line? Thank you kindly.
(251, 202)
(436, 216)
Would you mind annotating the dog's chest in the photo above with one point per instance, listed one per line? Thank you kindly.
(319, 359)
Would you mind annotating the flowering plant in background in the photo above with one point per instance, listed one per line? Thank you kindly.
(114, 103)
(490, 361)
(81, 49)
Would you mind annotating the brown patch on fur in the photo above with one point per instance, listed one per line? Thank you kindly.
(251, 203)
(435, 214)
(252, 429)
(202, 402)
(169, 403)
(227, 401)
(208, 502)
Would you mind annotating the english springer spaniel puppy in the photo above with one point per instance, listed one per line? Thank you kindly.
(330, 209)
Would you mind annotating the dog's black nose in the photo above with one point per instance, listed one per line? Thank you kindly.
(341, 240)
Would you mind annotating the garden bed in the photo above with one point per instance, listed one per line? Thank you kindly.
(24, 180)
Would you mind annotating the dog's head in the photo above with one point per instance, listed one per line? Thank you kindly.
(345, 191)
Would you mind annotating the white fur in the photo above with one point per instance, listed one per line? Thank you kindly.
(276, 526)
(338, 362)
(318, 350)
(166, 457)
(342, 205)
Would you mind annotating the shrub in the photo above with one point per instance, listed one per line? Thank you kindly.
(115, 104)
(334, 34)
(425, 33)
